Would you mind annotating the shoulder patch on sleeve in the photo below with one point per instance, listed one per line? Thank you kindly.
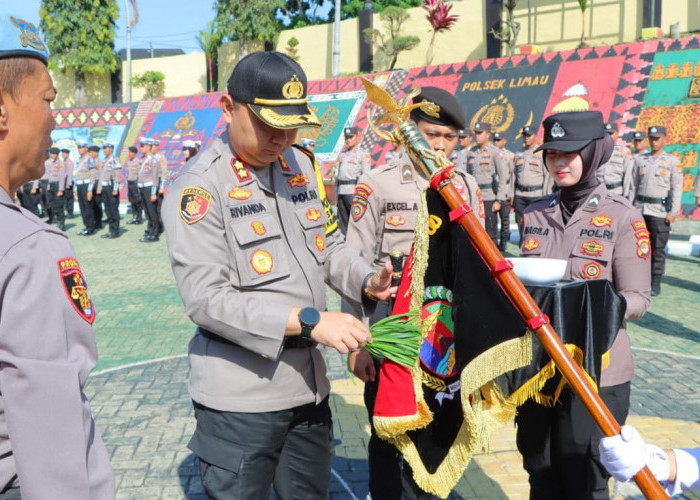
(194, 204)
(75, 286)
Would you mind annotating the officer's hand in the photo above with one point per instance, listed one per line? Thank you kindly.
(89, 195)
(153, 198)
(697, 200)
(379, 285)
(59, 194)
(625, 454)
(114, 193)
(361, 365)
(670, 218)
(33, 191)
(99, 191)
(160, 191)
(496, 206)
(340, 331)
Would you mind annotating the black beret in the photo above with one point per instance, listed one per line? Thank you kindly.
(274, 87)
(482, 127)
(133, 149)
(639, 135)
(449, 111)
(572, 131)
(656, 131)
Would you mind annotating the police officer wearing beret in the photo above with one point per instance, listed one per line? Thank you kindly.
(657, 182)
(109, 187)
(508, 158)
(55, 189)
(353, 162)
(531, 180)
(384, 212)
(616, 174)
(602, 236)
(49, 445)
(85, 177)
(485, 164)
(68, 192)
(252, 241)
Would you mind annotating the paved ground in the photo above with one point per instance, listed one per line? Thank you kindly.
(139, 394)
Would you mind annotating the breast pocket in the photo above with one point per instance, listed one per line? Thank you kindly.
(398, 231)
(260, 254)
(662, 178)
(590, 258)
(312, 219)
(534, 245)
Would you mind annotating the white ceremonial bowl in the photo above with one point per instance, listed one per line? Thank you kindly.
(537, 271)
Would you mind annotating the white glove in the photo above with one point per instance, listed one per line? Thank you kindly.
(626, 454)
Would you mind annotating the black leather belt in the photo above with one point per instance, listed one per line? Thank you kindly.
(343, 183)
(486, 186)
(527, 189)
(614, 185)
(295, 342)
(646, 199)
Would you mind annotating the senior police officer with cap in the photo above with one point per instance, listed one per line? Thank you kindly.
(531, 180)
(49, 445)
(384, 213)
(508, 157)
(55, 188)
(85, 177)
(657, 181)
(252, 240)
(353, 162)
(485, 164)
(616, 174)
(109, 185)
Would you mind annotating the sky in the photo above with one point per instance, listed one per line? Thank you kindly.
(166, 24)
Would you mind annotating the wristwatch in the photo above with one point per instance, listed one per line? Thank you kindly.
(308, 318)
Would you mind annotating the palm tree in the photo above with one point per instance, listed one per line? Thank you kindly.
(583, 4)
(440, 20)
(209, 41)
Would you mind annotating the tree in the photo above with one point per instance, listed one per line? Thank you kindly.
(292, 50)
(440, 20)
(508, 31)
(352, 8)
(152, 81)
(300, 13)
(248, 21)
(583, 4)
(80, 37)
(209, 41)
(392, 43)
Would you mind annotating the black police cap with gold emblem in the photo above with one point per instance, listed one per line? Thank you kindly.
(273, 86)
(572, 131)
(19, 38)
(448, 111)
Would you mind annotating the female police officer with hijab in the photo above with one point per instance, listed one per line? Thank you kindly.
(602, 236)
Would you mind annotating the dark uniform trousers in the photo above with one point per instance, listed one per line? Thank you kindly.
(504, 217)
(560, 447)
(30, 201)
(151, 209)
(97, 206)
(58, 214)
(491, 222)
(87, 210)
(659, 232)
(344, 207)
(111, 203)
(44, 198)
(390, 477)
(68, 201)
(520, 204)
(240, 454)
(135, 200)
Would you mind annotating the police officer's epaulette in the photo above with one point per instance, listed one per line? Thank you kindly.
(308, 153)
(620, 199)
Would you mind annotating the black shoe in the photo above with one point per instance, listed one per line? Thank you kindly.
(133, 221)
(502, 247)
(62, 227)
(139, 222)
(110, 236)
(83, 232)
(148, 239)
(89, 232)
(655, 285)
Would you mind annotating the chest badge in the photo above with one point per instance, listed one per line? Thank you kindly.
(320, 243)
(592, 248)
(194, 204)
(313, 214)
(531, 244)
(261, 260)
(601, 221)
(298, 180)
(239, 193)
(258, 227)
(591, 270)
(75, 286)
(395, 220)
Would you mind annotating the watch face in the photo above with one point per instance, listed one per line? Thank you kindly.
(309, 316)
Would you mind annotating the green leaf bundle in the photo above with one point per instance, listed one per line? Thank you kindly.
(396, 338)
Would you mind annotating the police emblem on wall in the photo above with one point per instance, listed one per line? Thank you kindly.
(75, 287)
(499, 113)
(194, 204)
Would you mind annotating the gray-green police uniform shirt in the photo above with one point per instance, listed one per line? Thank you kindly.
(246, 246)
(490, 172)
(657, 177)
(47, 350)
